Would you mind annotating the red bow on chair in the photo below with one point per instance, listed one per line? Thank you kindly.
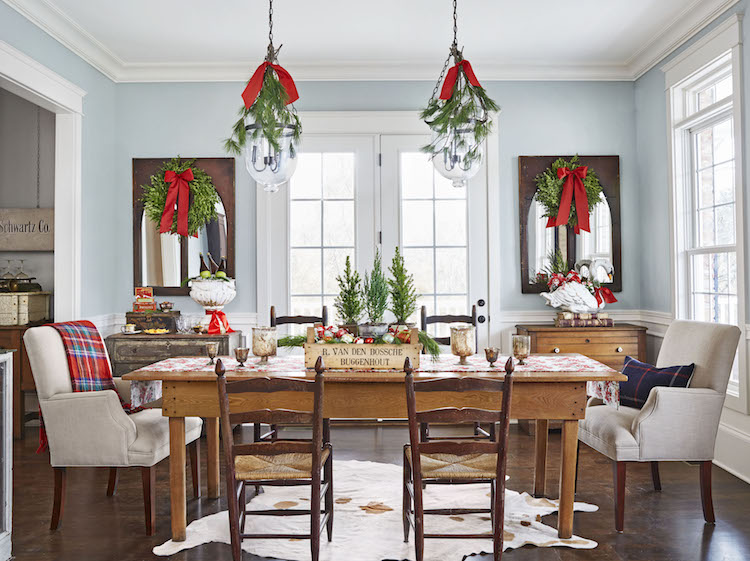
(218, 322)
(604, 294)
(450, 79)
(178, 194)
(256, 83)
(573, 186)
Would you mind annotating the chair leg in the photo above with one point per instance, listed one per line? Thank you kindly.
(655, 476)
(406, 498)
(498, 517)
(706, 499)
(418, 517)
(194, 449)
(256, 432)
(328, 473)
(112, 484)
(148, 475)
(619, 480)
(234, 519)
(315, 519)
(59, 498)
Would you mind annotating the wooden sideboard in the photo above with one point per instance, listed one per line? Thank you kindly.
(130, 352)
(609, 345)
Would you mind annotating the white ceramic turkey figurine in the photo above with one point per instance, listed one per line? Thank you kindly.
(570, 295)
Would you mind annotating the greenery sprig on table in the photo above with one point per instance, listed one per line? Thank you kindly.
(403, 292)
(375, 291)
(549, 189)
(269, 111)
(348, 303)
(203, 196)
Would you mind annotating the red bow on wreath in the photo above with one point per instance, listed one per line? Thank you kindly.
(218, 321)
(450, 79)
(573, 186)
(178, 194)
(256, 83)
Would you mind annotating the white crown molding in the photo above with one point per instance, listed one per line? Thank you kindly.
(61, 27)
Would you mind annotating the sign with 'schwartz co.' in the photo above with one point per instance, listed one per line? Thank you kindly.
(27, 229)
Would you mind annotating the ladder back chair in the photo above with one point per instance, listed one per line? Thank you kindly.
(277, 463)
(455, 462)
(275, 321)
(472, 319)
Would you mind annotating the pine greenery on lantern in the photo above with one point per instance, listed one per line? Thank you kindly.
(403, 293)
(348, 303)
(549, 189)
(203, 196)
(376, 292)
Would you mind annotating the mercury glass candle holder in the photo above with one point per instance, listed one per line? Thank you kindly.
(521, 347)
(463, 341)
(264, 342)
(212, 349)
(241, 353)
(492, 354)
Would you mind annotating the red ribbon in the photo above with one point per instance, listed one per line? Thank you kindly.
(178, 194)
(218, 321)
(573, 186)
(256, 83)
(452, 77)
(604, 294)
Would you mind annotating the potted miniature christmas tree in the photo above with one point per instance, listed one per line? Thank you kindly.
(375, 300)
(403, 293)
(348, 303)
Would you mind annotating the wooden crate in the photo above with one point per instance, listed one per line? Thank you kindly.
(153, 320)
(21, 308)
(346, 356)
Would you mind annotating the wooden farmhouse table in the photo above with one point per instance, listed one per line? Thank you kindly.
(547, 387)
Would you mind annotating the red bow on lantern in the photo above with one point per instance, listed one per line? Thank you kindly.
(178, 194)
(573, 186)
(218, 321)
(450, 79)
(604, 294)
(256, 83)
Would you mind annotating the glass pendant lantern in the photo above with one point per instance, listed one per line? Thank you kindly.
(460, 157)
(267, 165)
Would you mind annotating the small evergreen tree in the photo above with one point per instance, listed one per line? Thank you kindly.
(403, 294)
(376, 292)
(349, 301)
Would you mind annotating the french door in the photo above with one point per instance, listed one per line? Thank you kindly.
(353, 194)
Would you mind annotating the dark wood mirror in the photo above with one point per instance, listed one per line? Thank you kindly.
(163, 261)
(604, 242)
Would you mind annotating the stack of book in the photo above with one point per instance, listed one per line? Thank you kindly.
(569, 319)
(144, 299)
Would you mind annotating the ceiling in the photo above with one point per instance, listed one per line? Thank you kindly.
(195, 40)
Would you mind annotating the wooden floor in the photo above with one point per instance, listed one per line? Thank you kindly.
(658, 526)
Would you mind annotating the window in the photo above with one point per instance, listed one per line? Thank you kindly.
(704, 102)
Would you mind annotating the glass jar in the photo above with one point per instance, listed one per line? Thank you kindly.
(267, 165)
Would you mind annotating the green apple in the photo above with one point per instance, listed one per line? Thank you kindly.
(205, 274)
(221, 275)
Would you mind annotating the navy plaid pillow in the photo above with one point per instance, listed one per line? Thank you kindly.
(642, 377)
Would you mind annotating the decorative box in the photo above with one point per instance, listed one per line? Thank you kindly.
(21, 308)
(353, 356)
(153, 320)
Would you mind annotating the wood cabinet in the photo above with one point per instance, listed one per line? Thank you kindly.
(130, 352)
(608, 345)
(11, 337)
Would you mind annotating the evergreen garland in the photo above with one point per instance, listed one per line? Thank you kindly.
(376, 292)
(445, 116)
(203, 196)
(269, 111)
(403, 293)
(549, 189)
(349, 300)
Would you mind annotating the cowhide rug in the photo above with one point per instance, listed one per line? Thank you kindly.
(367, 520)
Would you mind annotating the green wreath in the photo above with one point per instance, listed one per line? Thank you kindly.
(549, 189)
(203, 196)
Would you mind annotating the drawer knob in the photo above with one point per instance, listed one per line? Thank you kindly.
(588, 340)
(619, 349)
(556, 350)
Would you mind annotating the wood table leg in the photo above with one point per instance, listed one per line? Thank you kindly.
(212, 464)
(177, 478)
(567, 478)
(540, 463)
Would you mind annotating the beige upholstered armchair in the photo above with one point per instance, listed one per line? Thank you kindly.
(91, 429)
(675, 424)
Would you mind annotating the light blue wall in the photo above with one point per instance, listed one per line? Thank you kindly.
(102, 247)
(537, 118)
(653, 162)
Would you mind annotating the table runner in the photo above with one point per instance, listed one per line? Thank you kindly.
(147, 391)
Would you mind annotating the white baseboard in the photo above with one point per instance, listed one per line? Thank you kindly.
(733, 451)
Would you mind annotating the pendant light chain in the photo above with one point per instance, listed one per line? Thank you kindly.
(273, 54)
(454, 52)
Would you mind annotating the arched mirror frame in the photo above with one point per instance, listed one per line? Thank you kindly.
(608, 170)
(222, 172)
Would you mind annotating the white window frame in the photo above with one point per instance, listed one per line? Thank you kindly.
(384, 123)
(684, 74)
